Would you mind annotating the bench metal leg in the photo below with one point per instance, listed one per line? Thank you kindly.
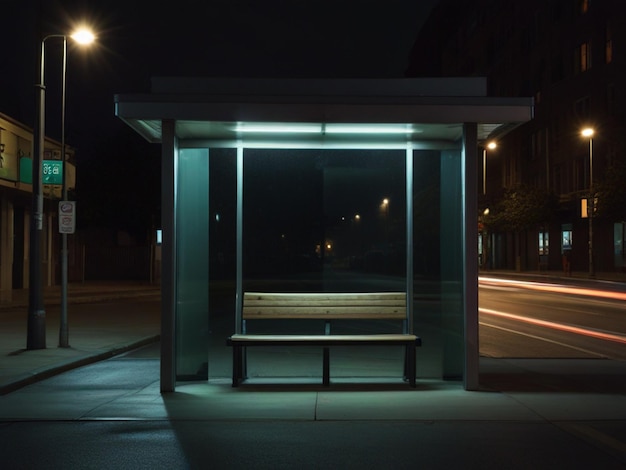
(244, 363)
(326, 368)
(409, 364)
(405, 374)
(236, 365)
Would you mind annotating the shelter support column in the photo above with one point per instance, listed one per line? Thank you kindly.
(169, 151)
(409, 238)
(470, 258)
(239, 236)
(6, 250)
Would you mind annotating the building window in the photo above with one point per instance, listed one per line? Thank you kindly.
(544, 238)
(566, 237)
(537, 144)
(611, 154)
(581, 108)
(580, 166)
(583, 57)
(557, 71)
(583, 6)
(608, 46)
(618, 245)
(555, 134)
(543, 250)
(610, 100)
(555, 11)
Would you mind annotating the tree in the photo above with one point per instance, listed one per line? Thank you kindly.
(526, 207)
(611, 194)
(519, 209)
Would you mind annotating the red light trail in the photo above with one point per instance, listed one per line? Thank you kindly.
(556, 288)
(557, 326)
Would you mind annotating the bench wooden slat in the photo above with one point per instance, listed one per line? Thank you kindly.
(363, 302)
(391, 313)
(326, 339)
(316, 296)
(370, 305)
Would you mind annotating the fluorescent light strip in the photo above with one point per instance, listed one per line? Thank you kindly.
(370, 129)
(314, 128)
(279, 128)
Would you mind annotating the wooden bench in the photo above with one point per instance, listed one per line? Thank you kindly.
(328, 307)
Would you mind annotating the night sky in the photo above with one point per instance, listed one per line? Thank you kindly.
(138, 39)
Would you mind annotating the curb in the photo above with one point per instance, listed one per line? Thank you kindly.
(55, 370)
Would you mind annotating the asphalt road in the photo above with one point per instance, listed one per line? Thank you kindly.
(289, 445)
(531, 320)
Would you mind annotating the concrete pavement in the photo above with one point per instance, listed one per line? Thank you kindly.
(94, 335)
(579, 403)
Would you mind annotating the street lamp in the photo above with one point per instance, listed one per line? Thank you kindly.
(36, 328)
(491, 145)
(483, 246)
(384, 207)
(588, 132)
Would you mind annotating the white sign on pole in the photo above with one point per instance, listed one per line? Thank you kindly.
(67, 216)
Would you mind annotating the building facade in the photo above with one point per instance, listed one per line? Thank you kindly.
(570, 55)
(16, 149)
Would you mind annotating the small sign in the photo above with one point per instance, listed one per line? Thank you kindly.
(587, 206)
(67, 216)
(52, 172)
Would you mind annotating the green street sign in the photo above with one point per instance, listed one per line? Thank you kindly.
(52, 172)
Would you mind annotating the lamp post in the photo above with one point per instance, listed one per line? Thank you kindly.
(490, 146)
(36, 327)
(588, 132)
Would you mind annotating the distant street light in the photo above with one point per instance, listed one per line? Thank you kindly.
(491, 145)
(384, 208)
(588, 132)
(36, 327)
(483, 247)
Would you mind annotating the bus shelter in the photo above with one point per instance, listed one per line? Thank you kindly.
(343, 185)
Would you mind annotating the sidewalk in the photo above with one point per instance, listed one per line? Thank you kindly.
(93, 335)
(100, 333)
(578, 406)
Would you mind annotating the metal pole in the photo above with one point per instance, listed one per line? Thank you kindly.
(239, 326)
(409, 238)
(36, 325)
(63, 330)
(590, 209)
(484, 171)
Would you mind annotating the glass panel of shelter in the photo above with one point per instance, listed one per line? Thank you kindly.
(324, 221)
(321, 220)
